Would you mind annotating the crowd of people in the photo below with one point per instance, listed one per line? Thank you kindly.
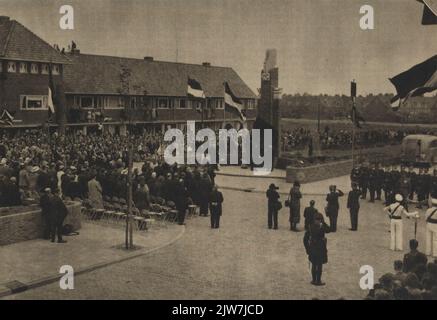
(300, 138)
(91, 167)
(413, 278)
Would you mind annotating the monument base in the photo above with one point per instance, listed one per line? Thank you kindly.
(318, 172)
(25, 223)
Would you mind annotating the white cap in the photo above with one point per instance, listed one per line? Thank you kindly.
(399, 198)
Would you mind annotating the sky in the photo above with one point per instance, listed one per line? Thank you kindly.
(320, 45)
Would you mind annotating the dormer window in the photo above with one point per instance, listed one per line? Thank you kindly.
(45, 69)
(12, 67)
(34, 68)
(23, 67)
(56, 70)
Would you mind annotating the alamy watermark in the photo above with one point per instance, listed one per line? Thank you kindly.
(249, 142)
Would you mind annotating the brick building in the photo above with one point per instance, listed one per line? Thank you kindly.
(93, 90)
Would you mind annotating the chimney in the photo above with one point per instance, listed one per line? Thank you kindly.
(148, 58)
(206, 64)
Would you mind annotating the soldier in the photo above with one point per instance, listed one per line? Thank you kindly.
(431, 229)
(387, 185)
(379, 181)
(372, 183)
(395, 211)
(355, 174)
(363, 181)
(353, 204)
(333, 206)
(395, 177)
(404, 187)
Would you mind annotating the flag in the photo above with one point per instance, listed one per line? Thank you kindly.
(6, 118)
(233, 103)
(396, 104)
(429, 12)
(50, 104)
(418, 80)
(195, 89)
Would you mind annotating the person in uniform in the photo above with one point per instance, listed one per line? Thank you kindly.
(372, 183)
(309, 214)
(315, 244)
(181, 201)
(294, 197)
(363, 181)
(395, 176)
(427, 183)
(355, 174)
(272, 206)
(395, 211)
(414, 260)
(353, 204)
(431, 230)
(333, 206)
(215, 205)
(404, 187)
(387, 186)
(379, 180)
(433, 185)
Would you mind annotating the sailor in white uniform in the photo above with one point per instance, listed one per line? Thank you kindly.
(395, 212)
(431, 230)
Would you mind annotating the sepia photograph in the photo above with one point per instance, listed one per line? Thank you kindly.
(241, 151)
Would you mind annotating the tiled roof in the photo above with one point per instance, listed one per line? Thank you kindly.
(19, 43)
(95, 74)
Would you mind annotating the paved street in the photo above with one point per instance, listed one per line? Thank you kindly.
(243, 259)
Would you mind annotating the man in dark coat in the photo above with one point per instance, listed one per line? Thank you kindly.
(59, 213)
(363, 181)
(142, 196)
(333, 206)
(414, 259)
(353, 204)
(272, 213)
(372, 183)
(215, 205)
(204, 192)
(45, 202)
(309, 214)
(181, 201)
(315, 244)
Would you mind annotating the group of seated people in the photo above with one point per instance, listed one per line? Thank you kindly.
(414, 278)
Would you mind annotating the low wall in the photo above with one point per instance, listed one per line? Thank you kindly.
(318, 172)
(25, 223)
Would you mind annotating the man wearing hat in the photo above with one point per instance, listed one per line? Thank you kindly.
(333, 206)
(294, 205)
(309, 214)
(431, 229)
(45, 202)
(395, 211)
(273, 199)
(353, 204)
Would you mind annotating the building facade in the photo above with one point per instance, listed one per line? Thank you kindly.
(112, 93)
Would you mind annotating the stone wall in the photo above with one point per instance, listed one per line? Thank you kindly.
(318, 172)
(25, 223)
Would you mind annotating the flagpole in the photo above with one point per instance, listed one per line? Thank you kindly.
(353, 131)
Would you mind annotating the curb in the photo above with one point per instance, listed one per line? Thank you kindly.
(5, 291)
(248, 176)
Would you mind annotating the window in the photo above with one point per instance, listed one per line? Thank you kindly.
(87, 102)
(45, 69)
(182, 103)
(56, 70)
(12, 67)
(31, 102)
(220, 104)
(23, 67)
(34, 68)
(162, 103)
